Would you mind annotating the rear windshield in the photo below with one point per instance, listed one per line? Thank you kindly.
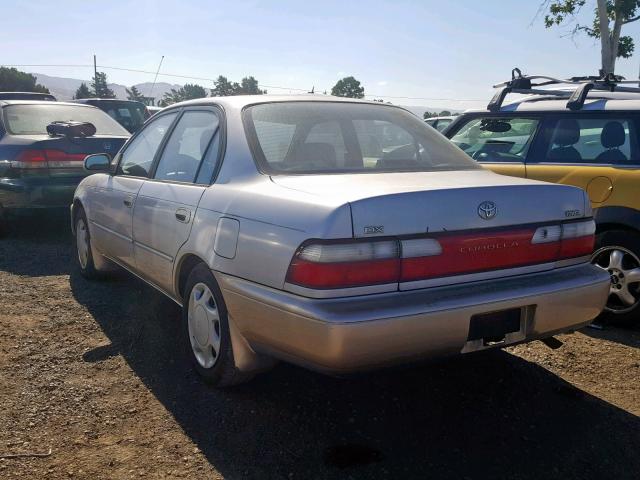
(128, 114)
(33, 119)
(333, 137)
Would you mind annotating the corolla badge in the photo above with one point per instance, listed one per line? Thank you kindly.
(106, 146)
(487, 210)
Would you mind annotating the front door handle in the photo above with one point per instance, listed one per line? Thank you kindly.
(128, 202)
(183, 215)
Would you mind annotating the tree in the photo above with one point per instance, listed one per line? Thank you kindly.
(223, 87)
(13, 80)
(99, 86)
(249, 86)
(609, 18)
(189, 92)
(134, 94)
(83, 92)
(348, 87)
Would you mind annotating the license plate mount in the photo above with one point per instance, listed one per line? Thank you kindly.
(492, 327)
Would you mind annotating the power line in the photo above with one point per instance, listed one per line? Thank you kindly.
(206, 79)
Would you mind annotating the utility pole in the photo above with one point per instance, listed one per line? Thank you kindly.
(95, 74)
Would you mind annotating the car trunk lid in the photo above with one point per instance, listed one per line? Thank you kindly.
(400, 204)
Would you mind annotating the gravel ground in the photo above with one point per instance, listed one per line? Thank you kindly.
(93, 372)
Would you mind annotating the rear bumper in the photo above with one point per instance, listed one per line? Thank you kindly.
(356, 333)
(41, 193)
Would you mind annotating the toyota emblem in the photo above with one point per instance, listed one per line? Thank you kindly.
(487, 210)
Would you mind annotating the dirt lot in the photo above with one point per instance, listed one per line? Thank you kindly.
(93, 372)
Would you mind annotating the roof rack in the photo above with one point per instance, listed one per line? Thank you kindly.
(523, 84)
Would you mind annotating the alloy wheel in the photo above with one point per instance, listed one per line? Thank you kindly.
(623, 267)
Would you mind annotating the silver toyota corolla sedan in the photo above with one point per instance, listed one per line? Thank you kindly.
(336, 234)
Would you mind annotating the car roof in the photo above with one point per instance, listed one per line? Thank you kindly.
(105, 100)
(42, 102)
(596, 101)
(446, 117)
(242, 101)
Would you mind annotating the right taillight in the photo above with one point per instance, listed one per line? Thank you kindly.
(576, 239)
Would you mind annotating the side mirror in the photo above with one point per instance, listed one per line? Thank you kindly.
(98, 162)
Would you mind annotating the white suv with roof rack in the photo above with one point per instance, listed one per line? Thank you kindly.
(583, 132)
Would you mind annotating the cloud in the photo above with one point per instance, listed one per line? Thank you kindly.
(382, 83)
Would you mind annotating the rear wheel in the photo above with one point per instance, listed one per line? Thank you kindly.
(83, 247)
(618, 252)
(206, 330)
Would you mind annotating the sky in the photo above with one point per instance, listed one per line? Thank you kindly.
(444, 54)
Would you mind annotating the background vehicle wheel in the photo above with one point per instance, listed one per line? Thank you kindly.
(618, 252)
(206, 330)
(4, 227)
(83, 247)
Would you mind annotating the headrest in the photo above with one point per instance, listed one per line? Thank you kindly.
(320, 154)
(567, 132)
(612, 135)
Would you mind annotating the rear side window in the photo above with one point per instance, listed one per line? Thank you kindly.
(494, 139)
(610, 140)
(337, 137)
(138, 156)
(187, 146)
(33, 119)
(130, 115)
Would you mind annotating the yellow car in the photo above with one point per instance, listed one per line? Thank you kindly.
(593, 143)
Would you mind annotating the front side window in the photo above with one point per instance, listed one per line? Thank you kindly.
(138, 156)
(341, 137)
(611, 140)
(32, 119)
(495, 139)
(187, 146)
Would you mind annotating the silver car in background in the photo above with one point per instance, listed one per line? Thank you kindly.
(336, 234)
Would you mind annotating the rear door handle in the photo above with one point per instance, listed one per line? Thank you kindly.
(128, 202)
(183, 215)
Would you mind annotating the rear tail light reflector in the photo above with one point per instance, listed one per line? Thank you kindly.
(349, 263)
(47, 158)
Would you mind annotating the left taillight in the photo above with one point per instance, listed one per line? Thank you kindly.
(29, 158)
(344, 264)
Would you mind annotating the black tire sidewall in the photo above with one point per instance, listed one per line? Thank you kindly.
(630, 241)
(224, 367)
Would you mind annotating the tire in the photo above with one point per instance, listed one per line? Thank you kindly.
(83, 256)
(205, 326)
(618, 252)
(4, 225)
